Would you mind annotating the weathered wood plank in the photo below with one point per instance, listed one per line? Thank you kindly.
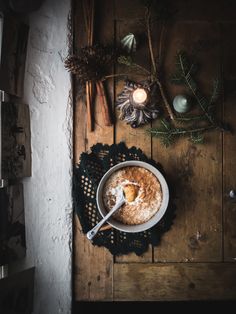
(92, 265)
(133, 137)
(168, 282)
(229, 143)
(24, 138)
(16, 141)
(13, 55)
(12, 224)
(212, 11)
(12, 287)
(128, 10)
(193, 171)
(104, 30)
(93, 272)
(184, 10)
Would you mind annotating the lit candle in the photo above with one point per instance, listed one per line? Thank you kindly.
(139, 96)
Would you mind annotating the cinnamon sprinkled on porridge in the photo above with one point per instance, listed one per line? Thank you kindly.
(142, 191)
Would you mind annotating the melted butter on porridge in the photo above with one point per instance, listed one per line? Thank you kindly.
(142, 192)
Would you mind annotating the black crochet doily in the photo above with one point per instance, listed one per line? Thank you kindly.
(86, 177)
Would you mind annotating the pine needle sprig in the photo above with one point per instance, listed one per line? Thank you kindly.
(190, 118)
(168, 133)
(197, 137)
(185, 75)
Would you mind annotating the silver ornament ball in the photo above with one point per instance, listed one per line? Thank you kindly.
(181, 103)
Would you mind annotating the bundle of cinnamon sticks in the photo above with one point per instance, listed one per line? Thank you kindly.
(96, 88)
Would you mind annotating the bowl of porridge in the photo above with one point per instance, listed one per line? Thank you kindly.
(146, 193)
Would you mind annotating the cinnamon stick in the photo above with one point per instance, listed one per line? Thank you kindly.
(90, 122)
(103, 102)
(88, 8)
(90, 41)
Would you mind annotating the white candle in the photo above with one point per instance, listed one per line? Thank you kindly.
(139, 96)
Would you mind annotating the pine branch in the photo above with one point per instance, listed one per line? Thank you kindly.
(167, 133)
(190, 118)
(184, 73)
(180, 131)
(197, 137)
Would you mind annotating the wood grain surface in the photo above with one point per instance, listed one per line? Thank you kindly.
(16, 141)
(124, 133)
(194, 171)
(196, 258)
(171, 282)
(229, 143)
(93, 265)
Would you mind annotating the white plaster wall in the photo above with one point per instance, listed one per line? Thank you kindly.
(48, 204)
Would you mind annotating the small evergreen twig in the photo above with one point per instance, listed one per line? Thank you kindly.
(184, 73)
(169, 133)
(190, 118)
(180, 131)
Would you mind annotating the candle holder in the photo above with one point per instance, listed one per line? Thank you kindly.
(137, 104)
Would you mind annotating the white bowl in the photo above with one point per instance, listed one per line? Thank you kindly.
(151, 222)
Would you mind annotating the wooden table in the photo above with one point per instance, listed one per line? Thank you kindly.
(196, 259)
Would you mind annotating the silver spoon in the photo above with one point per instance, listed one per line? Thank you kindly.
(119, 202)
